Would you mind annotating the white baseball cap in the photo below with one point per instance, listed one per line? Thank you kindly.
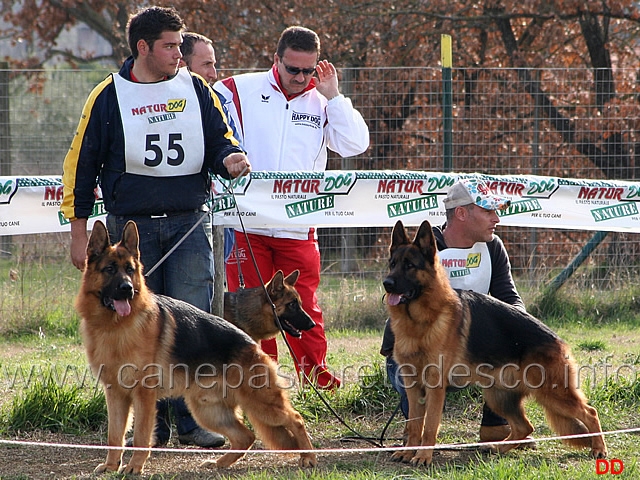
(469, 191)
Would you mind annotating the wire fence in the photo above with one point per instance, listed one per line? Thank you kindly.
(572, 123)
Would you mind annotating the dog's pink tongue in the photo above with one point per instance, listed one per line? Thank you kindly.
(122, 307)
(393, 298)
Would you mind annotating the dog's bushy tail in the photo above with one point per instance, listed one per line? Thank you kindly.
(566, 406)
(564, 425)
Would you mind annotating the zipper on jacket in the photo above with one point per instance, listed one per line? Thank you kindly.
(284, 135)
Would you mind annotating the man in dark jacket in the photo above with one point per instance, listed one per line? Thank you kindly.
(150, 136)
(468, 233)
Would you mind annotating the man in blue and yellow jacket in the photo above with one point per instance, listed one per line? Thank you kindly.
(150, 136)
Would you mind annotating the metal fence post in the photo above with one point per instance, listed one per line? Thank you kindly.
(348, 234)
(5, 141)
(564, 275)
(447, 109)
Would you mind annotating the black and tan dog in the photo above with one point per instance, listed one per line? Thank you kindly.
(254, 310)
(446, 337)
(144, 346)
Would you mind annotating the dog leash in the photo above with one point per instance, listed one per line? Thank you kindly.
(255, 266)
(229, 190)
(357, 434)
(214, 204)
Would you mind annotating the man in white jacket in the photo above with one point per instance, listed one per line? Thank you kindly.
(286, 119)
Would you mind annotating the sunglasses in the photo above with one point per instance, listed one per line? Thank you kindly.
(295, 70)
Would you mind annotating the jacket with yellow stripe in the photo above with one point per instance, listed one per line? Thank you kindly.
(97, 155)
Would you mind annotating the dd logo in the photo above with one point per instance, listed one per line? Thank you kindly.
(612, 467)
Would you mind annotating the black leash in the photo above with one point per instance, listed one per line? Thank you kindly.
(357, 434)
(229, 190)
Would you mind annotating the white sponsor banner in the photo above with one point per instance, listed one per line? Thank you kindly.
(356, 198)
(31, 204)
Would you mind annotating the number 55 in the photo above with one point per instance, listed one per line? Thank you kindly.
(153, 145)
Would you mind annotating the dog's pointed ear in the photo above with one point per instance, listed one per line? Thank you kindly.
(292, 278)
(130, 239)
(276, 283)
(398, 236)
(426, 241)
(98, 241)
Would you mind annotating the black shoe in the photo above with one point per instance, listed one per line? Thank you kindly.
(157, 443)
(202, 438)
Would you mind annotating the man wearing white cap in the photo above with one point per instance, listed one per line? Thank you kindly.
(475, 259)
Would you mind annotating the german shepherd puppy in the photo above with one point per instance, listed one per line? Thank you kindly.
(252, 309)
(447, 337)
(144, 346)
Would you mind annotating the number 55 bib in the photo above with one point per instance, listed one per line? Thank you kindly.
(162, 126)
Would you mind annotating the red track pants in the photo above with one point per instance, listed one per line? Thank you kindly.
(273, 254)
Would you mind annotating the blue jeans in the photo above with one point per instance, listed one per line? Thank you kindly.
(186, 274)
(398, 386)
(229, 242)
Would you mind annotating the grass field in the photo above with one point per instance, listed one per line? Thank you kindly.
(48, 398)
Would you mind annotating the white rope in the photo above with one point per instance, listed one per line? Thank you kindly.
(441, 446)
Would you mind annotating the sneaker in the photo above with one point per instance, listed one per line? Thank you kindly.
(202, 438)
(324, 380)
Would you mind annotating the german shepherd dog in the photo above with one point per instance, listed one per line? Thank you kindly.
(447, 337)
(145, 346)
(258, 310)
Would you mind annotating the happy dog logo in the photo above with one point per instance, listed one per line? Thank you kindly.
(305, 119)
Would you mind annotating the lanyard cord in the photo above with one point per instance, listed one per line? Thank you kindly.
(214, 204)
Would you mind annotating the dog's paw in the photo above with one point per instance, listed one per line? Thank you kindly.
(106, 467)
(422, 459)
(307, 460)
(599, 453)
(402, 456)
(488, 448)
(131, 469)
(225, 461)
